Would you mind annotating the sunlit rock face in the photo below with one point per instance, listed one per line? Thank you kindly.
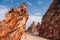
(50, 27)
(13, 25)
(38, 26)
(33, 29)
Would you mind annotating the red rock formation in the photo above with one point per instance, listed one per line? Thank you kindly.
(50, 27)
(34, 29)
(38, 27)
(13, 26)
(31, 29)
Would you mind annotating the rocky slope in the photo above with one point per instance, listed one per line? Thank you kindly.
(13, 26)
(50, 27)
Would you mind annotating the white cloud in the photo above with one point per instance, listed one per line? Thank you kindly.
(33, 18)
(29, 3)
(3, 10)
(37, 14)
(3, 7)
(39, 2)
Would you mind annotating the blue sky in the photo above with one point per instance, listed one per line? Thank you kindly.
(36, 8)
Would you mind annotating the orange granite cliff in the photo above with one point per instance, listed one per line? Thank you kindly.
(13, 26)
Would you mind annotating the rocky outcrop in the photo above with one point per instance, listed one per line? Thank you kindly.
(13, 26)
(31, 29)
(50, 26)
(38, 27)
(34, 29)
